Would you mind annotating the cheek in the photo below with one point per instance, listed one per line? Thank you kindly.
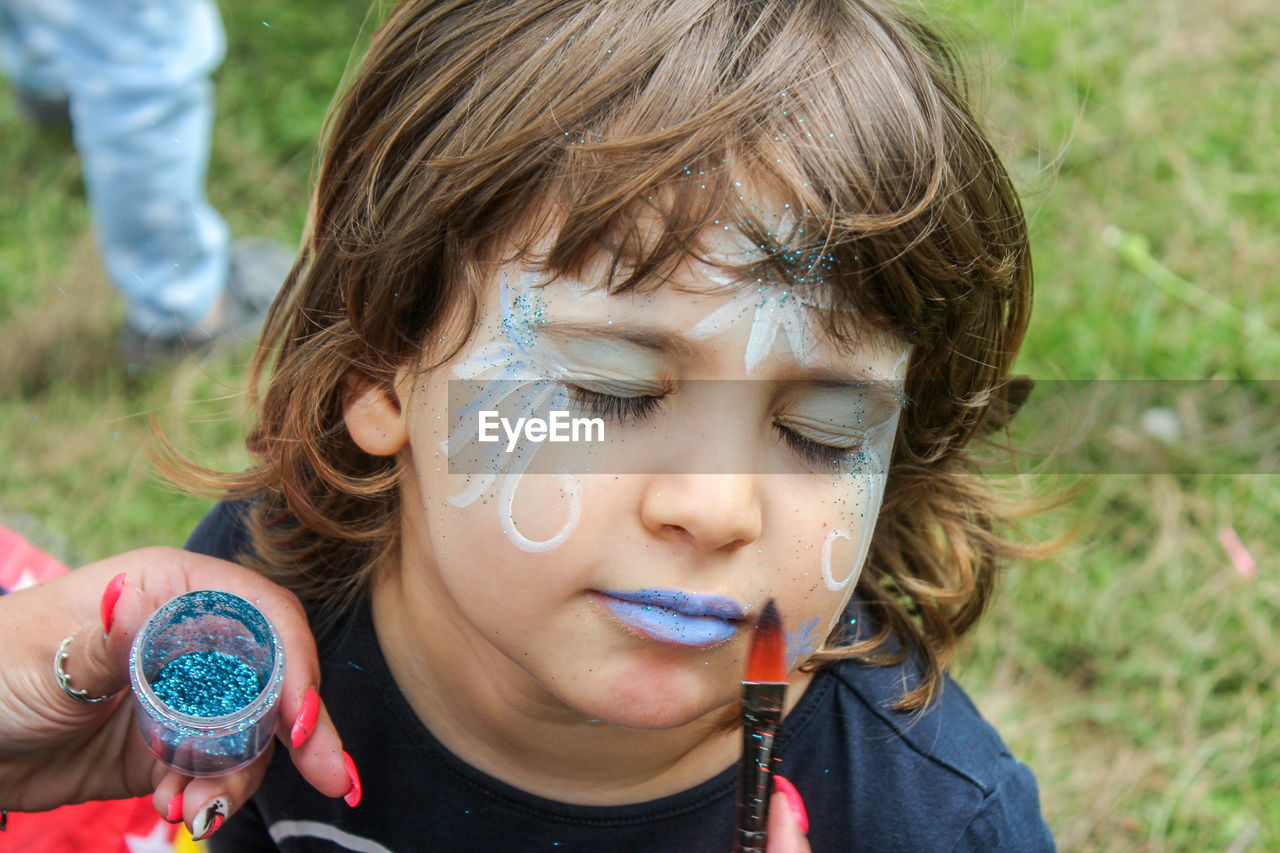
(829, 548)
(846, 545)
(539, 512)
(487, 479)
(491, 579)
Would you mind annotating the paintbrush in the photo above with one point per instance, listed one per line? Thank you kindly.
(763, 691)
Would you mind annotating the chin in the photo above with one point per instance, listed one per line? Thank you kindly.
(651, 719)
(640, 705)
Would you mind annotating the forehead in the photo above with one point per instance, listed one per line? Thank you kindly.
(701, 316)
(758, 248)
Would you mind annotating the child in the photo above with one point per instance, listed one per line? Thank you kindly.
(762, 253)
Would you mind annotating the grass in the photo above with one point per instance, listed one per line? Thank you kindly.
(1136, 671)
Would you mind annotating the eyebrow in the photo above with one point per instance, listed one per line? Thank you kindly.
(655, 340)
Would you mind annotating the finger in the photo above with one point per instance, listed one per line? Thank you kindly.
(166, 572)
(786, 816)
(168, 796)
(207, 803)
(321, 760)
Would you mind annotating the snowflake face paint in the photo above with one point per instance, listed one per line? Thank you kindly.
(522, 368)
(775, 312)
(778, 310)
(581, 580)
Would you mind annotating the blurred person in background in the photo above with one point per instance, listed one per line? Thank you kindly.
(131, 77)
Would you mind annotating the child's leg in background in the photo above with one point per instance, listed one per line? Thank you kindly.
(136, 73)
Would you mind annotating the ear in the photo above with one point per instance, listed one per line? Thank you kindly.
(375, 414)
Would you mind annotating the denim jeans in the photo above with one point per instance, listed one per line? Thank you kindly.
(136, 76)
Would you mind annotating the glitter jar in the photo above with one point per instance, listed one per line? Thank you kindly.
(206, 671)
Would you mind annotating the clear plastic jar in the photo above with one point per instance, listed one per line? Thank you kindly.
(193, 627)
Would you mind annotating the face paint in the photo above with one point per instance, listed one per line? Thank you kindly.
(721, 489)
(802, 642)
(833, 584)
(519, 367)
(776, 310)
(778, 307)
(507, 519)
(875, 456)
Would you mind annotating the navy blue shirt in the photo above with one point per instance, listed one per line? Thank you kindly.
(872, 778)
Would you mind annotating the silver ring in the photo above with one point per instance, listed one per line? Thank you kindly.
(65, 683)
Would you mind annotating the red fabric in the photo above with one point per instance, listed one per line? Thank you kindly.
(23, 564)
(119, 826)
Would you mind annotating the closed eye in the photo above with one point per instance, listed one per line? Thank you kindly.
(826, 457)
(843, 454)
(614, 408)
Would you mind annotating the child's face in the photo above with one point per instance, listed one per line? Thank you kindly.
(623, 584)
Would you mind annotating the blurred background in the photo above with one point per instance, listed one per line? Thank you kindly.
(1137, 670)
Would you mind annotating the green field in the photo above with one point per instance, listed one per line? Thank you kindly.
(1137, 672)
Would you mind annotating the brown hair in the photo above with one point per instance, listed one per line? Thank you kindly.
(470, 119)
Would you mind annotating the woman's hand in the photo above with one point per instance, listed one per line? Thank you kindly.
(55, 750)
(788, 819)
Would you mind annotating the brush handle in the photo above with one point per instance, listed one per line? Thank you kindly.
(761, 717)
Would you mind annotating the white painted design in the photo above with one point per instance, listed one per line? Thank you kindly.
(831, 582)
(519, 369)
(877, 449)
(899, 371)
(206, 821)
(776, 310)
(282, 829)
(506, 517)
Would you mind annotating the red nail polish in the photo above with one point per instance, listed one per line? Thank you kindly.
(174, 812)
(109, 599)
(213, 827)
(783, 785)
(353, 794)
(306, 722)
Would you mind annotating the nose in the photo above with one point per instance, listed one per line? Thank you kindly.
(711, 511)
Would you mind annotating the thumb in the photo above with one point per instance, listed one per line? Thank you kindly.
(97, 656)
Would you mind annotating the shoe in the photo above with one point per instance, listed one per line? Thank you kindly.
(258, 268)
(48, 112)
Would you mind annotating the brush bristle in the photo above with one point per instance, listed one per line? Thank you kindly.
(767, 660)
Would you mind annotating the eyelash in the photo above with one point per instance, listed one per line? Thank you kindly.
(622, 409)
(817, 454)
(616, 409)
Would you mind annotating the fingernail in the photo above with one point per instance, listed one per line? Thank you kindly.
(783, 784)
(173, 814)
(210, 818)
(306, 722)
(353, 794)
(109, 599)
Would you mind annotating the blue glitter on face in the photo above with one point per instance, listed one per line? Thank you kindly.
(521, 319)
(206, 684)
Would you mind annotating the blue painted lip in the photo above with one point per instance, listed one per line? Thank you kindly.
(678, 618)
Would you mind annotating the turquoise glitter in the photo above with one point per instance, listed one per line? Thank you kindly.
(206, 671)
(206, 684)
(522, 318)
